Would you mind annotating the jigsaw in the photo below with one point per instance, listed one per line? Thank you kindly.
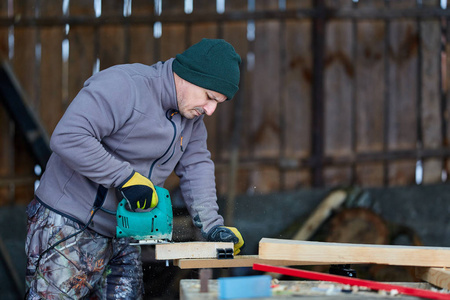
(152, 227)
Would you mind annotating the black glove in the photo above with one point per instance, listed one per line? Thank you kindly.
(222, 234)
(139, 192)
(226, 234)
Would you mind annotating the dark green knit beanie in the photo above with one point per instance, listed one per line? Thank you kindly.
(212, 64)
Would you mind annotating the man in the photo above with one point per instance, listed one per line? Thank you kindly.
(129, 127)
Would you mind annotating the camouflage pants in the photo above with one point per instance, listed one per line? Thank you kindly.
(87, 266)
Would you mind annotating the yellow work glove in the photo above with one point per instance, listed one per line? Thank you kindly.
(139, 192)
(226, 234)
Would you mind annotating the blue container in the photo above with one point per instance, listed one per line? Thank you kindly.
(245, 287)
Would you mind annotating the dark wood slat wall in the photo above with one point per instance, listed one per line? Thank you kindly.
(445, 63)
(339, 83)
(403, 89)
(430, 104)
(296, 88)
(6, 126)
(26, 66)
(385, 85)
(83, 49)
(370, 89)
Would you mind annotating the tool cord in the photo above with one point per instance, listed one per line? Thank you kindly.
(93, 211)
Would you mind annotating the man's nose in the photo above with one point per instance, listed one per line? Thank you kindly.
(210, 108)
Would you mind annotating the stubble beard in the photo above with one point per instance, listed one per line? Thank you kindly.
(189, 113)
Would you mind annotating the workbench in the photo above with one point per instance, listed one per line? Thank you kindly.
(317, 290)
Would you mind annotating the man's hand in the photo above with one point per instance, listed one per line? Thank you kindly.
(139, 192)
(226, 234)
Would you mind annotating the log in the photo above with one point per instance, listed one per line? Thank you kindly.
(332, 202)
(341, 253)
(357, 225)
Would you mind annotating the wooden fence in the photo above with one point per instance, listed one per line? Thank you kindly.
(333, 92)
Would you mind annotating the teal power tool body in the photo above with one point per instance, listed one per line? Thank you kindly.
(152, 227)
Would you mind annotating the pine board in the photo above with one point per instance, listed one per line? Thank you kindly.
(189, 250)
(437, 276)
(237, 262)
(342, 253)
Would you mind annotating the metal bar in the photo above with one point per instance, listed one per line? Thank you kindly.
(344, 160)
(344, 13)
(17, 180)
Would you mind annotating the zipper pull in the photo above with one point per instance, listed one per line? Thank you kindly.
(181, 144)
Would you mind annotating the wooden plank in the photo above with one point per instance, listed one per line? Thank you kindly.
(264, 122)
(171, 40)
(445, 63)
(338, 175)
(25, 65)
(82, 54)
(374, 285)
(235, 5)
(343, 253)
(369, 174)
(25, 62)
(227, 139)
(263, 180)
(236, 34)
(237, 262)
(6, 153)
(437, 276)
(339, 73)
(6, 126)
(4, 31)
(141, 40)
(430, 110)
(190, 250)
(296, 179)
(204, 6)
(296, 96)
(112, 48)
(297, 89)
(264, 84)
(142, 44)
(51, 79)
(402, 71)
(209, 30)
(369, 93)
(223, 179)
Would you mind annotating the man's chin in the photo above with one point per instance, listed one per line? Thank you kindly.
(188, 115)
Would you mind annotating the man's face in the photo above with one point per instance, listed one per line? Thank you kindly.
(194, 101)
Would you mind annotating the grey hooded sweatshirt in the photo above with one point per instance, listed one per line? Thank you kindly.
(125, 119)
